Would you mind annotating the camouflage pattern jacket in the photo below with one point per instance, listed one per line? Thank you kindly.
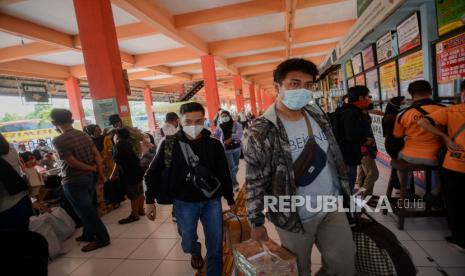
(269, 166)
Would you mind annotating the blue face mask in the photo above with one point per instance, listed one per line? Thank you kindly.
(296, 99)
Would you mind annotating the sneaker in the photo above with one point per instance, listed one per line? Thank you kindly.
(129, 219)
(94, 246)
(452, 242)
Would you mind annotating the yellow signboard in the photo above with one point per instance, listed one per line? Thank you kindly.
(410, 69)
(28, 135)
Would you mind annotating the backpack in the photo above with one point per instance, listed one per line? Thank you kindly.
(163, 191)
(378, 251)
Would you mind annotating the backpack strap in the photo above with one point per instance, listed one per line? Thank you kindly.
(168, 150)
(459, 130)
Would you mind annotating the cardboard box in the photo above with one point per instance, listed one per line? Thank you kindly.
(236, 229)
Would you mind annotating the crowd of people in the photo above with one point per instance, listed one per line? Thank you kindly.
(294, 148)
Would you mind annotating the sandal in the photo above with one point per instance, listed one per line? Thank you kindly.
(129, 219)
(94, 245)
(197, 261)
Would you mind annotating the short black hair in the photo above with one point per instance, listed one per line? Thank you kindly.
(123, 134)
(61, 116)
(90, 129)
(356, 92)
(26, 156)
(114, 118)
(191, 107)
(294, 64)
(420, 88)
(462, 85)
(171, 116)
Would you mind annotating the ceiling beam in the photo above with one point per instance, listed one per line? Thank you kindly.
(303, 4)
(125, 32)
(291, 6)
(27, 51)
(39, 69)
(166, 56)
(321, 48)
(228, 13)
(262, 68)
(164, 82)
(142, 74)
(23, 28)
(276, 39)
(186, 68)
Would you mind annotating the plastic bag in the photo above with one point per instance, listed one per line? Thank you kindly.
(42, 225)
(267, 263)
(63, 225)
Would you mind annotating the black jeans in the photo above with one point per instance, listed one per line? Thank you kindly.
(454, 190)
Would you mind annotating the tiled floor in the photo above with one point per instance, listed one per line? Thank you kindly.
(153, 248)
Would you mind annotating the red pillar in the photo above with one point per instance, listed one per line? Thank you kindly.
(269, 100)
(253, 101)
(73, 92)
(237, 81)
(211, 87)
(101, 54)
(148, 108)
(259, 99)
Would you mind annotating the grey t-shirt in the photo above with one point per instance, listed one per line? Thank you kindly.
(322, 170)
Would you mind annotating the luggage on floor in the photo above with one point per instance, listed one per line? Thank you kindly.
(42, 224)
(25, 253)
(379, 252)
(236, 229)
(63, 224)
(252, 258)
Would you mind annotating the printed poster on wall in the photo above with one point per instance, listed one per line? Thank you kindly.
(410, 69)
(450, 58)
(104, 108)
(371, 79)
(388, 80)
(357, 64)
(386, 47)
(360, 79)
(349, 71)
(450, 15)
(408, 34)
(368, 57)
(351, 82)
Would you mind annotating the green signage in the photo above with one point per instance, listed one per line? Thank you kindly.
(451, 15)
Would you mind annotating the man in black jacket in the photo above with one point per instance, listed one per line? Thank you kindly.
(190, 202)
(353, 134)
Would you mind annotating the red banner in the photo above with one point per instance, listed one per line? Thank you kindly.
(450, 58)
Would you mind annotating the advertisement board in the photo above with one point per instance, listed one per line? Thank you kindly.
(357, 64)
(360, 79)
(348, 68)
(386, 47)
(450, 15)
(410, 69)
(351, 82)
(388, 80)
(368, 57)
(408, 34)
(450, 58)
(371, 79)
(104, 108)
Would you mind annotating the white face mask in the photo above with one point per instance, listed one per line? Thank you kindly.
(193, 131)
(296, 99)
(225, 119)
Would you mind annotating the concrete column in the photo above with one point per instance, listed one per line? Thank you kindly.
(73, 92)
(211, 87)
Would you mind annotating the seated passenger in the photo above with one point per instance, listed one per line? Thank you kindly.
(34, 178)
(421, 146)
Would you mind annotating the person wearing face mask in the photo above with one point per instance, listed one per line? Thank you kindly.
(291, 151)
(230, 133)
(193, 144)
(171, 124)
(352, 133)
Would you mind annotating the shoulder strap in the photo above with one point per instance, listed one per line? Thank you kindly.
(191, 159)
(168, 150)
(421, 110)
(459, 130)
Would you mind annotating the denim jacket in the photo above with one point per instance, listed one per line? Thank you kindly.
(269, 168)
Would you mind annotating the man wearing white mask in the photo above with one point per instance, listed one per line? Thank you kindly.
(291, 151)
(193, 170)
